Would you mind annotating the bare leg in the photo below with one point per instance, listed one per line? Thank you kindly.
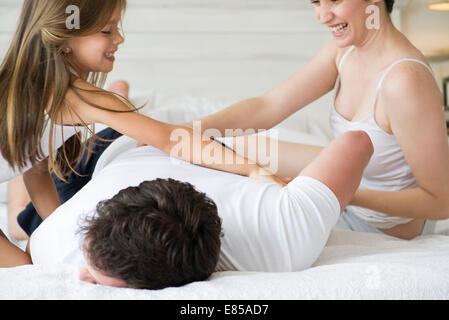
(18, 199)
(291, 158)
(10, 255)
(341, 164)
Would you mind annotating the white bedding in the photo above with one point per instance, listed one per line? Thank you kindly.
(352, 265)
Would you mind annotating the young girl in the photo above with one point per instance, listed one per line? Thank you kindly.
(23, 218)
(49, 91)
(384, 87)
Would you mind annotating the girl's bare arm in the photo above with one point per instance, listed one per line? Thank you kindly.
(177, 141)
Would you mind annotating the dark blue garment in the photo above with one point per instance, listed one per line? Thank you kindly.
(29, 219)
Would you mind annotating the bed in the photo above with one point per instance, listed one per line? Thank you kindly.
(352, 265)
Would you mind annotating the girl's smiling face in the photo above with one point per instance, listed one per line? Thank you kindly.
(346, 19)
(95, 53)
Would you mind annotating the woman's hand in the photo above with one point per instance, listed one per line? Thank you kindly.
(262, 174)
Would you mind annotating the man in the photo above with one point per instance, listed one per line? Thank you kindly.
(265, 227)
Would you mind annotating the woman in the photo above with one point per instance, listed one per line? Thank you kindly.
(383, 86)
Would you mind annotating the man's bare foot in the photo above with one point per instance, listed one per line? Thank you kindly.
(120, 87)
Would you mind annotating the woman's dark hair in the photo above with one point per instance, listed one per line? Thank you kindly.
(389, 5)
(160, 234)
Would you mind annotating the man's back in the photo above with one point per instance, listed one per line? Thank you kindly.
(265, 227)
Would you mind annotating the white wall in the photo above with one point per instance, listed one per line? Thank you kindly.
(229, 50)
(224, 49)
(428, 31)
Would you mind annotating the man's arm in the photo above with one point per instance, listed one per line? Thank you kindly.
(42, 189)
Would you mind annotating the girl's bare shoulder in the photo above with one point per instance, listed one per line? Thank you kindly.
(91, 102)
(86, 93)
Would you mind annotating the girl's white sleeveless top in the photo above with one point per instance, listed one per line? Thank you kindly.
(388, 169)
(61, 134)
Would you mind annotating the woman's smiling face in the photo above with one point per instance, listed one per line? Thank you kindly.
(346, 19)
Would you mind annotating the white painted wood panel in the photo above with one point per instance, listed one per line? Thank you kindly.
(219, 47)
(224, 80)
(204, 20)
(213, 47)
(286, 4)
(226, 49)
(249, 79)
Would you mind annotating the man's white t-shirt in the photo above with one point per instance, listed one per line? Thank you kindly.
(265, 227)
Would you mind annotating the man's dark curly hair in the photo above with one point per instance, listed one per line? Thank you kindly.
(160, 234)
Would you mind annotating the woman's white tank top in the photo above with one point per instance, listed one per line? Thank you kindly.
(61, 134)
(388, 169)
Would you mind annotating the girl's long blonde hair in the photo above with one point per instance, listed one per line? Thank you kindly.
(35, 77)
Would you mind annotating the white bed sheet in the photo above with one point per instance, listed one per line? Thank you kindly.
(352, 265)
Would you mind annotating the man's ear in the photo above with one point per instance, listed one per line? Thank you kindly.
(85, 276)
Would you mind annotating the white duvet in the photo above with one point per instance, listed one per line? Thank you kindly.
(352, 265)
